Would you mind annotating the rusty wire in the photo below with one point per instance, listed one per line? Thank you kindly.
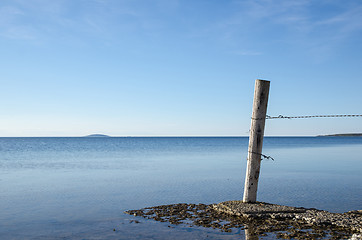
(308, 116)
(263, 156)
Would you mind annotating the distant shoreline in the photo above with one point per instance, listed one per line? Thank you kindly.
(343, 135)
(98, 135)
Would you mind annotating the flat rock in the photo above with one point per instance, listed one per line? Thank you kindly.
(351, 220)
(240, 208)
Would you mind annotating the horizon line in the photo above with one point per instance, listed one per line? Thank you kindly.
(136, 136)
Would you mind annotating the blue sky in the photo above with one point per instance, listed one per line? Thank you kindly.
(177, 67)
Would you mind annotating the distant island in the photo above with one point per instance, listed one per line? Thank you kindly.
(97, 135)
(343, 135)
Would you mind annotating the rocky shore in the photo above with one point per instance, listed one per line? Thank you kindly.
(260, 219)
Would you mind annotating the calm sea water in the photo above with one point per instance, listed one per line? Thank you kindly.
(78, 188)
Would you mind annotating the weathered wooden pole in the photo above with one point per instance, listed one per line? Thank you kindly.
(256, 139)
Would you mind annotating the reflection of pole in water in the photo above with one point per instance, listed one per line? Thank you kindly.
(250, 233)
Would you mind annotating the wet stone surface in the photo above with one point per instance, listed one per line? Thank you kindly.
(259, 219)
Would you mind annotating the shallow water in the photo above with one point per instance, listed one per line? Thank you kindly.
(78, 188)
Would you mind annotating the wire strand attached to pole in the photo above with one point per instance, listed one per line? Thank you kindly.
(314, 116)
(263, 156)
